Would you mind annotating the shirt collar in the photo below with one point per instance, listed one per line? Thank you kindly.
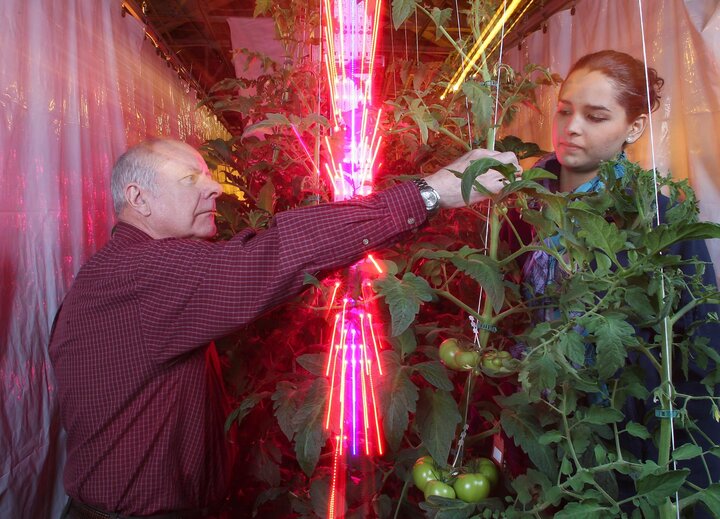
(128, 232)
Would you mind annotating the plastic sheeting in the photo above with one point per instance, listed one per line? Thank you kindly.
(78, 84)
(683, 44)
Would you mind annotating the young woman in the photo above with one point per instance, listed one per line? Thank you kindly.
(602, 108)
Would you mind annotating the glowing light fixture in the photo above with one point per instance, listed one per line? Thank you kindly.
(353, 367)
(491, 29)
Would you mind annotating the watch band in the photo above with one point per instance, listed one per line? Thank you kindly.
(429, 195)
(421, 183)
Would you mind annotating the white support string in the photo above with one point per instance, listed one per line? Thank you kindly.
(461, 442)
(491, 145)
(667, 353)
(417, 40)
(467, 103)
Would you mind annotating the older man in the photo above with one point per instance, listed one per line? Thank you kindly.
(132, 347)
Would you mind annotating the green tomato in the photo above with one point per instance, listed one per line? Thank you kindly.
(467, 360)
(472, 488)
(423, 471)
(438, 488)
(494, 363)
(449, 348)
(488, 469)
(504, 355)
(488, 359)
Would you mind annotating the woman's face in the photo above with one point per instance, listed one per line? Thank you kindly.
(589, 125)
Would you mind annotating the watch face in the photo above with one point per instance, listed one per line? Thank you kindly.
(431, 198)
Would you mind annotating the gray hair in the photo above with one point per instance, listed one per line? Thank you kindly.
(139, 165)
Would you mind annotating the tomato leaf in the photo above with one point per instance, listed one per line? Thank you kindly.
(266, 197)
(480, 167)
(663, 236)
(711, 496)
(309, 425)
(686, 452)
(481, 102)
(446, 508)
(655, 488)
(434, 372)
(598, 232)
(265, 462)
(522, 426)
(405, 343)
(261, 7)
(319, 493)
(403, 298)
(436, 419)
(572, 346)
(315, 363)
(637, 430)
(530, 481)
(612, 334)
(398, 398)
(585, 510)
(401, 11)
(441, 18)
(286, 400)
(486, 272)
(603, 415)
(244, 409)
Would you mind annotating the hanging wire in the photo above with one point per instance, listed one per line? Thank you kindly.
(417, 40)
(459, 452)
(491, 145)
(667, 354)
(467, 103)
(407, 56)
(394, 65)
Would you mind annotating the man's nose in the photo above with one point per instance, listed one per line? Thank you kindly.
(212, 188)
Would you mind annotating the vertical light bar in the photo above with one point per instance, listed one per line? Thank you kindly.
(352, 29)
(375, 346)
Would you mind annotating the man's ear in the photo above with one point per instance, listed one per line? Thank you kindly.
(136, 199)
(637, 128)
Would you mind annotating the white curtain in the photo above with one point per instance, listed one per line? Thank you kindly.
(78, 84)
(683, 44)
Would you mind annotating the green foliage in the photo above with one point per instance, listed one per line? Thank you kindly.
(561, 401)
(603, 307)
(404, 297)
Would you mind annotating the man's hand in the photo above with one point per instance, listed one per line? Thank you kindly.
(448, 185)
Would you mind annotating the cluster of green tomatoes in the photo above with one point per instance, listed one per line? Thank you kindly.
(471, 485)
(462, 356)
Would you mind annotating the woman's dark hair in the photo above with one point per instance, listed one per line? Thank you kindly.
(628, 76)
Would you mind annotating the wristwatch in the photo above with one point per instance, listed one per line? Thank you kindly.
(429, 195)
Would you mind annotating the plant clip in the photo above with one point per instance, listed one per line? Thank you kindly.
(487, 327)
(666, 413)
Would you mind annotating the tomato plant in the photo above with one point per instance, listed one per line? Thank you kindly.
(282, 392)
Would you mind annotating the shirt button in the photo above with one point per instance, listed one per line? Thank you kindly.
(366, 241)
(411, 221)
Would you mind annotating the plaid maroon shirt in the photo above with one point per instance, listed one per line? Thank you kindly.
(139, 399)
